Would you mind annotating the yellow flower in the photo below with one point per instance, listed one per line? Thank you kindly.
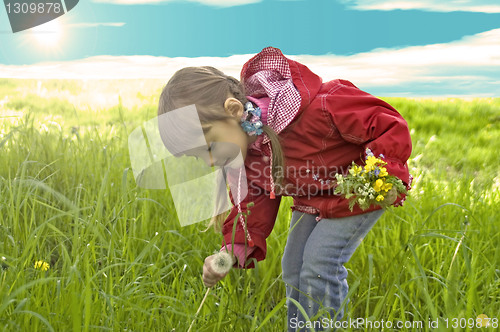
(41, 265)
(374, 161)
(355, 170)
(378, 185)
(387, 187)
(379, 198)
(383, 172)
(483, 320)
(371, 160)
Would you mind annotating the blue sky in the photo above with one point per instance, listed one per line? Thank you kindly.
(454, 43)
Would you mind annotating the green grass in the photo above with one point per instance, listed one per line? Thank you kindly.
(119, 261)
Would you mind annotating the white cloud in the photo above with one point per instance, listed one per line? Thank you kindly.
(120, 67)
(92, 25)
(131, 2)
(467, 67)
(483, 6)
(215, 3)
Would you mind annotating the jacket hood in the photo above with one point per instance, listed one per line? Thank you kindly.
(290, 86)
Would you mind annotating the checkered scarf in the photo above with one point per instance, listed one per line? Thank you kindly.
(268, 74)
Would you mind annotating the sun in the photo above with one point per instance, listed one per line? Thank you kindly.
(48, 35)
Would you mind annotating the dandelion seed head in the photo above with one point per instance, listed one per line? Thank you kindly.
(222, 262)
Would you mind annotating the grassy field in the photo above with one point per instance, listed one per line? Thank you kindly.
(118, 260)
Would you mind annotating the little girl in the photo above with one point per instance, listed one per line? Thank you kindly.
(295, 133)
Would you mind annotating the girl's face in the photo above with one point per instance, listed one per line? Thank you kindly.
(225, 139)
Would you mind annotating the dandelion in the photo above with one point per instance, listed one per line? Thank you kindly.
(221, 264)
(41, 265)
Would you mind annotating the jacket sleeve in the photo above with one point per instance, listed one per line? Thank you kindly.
(365, 120)
(258, 215)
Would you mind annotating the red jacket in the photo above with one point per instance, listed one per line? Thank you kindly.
(333, 126)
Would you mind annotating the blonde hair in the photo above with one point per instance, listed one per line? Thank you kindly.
(208, 88)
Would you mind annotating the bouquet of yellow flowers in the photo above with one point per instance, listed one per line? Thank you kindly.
(369, 184)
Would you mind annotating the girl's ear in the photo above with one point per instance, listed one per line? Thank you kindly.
(234, 107)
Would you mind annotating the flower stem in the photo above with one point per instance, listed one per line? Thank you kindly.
(199, 308)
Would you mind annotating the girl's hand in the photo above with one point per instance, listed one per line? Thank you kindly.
(210, 277)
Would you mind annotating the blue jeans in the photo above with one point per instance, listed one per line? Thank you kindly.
(313, 263)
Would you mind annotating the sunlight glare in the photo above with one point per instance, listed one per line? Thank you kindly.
(48, 34)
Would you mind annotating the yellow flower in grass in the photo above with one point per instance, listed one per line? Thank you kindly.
(378, 185)
(41, 265)
(379, 198)
(483, 320)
